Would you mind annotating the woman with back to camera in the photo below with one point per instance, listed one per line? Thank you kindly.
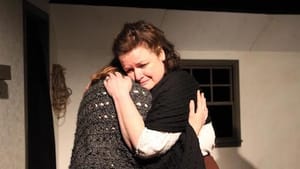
(165, 139)
(98, 142)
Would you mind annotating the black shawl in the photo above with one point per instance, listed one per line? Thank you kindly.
(169, 113)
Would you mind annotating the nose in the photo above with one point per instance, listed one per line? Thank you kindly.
(138, 74)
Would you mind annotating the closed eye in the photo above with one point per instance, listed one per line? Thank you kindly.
(128, 70)
(142, 65)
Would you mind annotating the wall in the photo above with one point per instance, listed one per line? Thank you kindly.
(269, 85)
(12, 113)
(267, 47)
(12, 109)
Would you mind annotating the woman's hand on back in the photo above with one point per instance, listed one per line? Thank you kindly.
(198, 117)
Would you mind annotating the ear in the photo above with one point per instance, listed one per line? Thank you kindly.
(162, 55)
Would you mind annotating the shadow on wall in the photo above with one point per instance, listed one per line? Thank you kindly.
(233, 160)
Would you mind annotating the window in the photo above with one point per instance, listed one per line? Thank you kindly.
(219, 80)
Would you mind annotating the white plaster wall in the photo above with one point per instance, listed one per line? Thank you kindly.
(269, 89)
(12, 113)
(267, 47)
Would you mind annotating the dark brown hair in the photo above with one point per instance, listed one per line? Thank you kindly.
(143, 33)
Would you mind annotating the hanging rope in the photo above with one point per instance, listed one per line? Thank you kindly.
(60, 91)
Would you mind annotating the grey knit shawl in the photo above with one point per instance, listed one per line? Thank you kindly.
(98, 142)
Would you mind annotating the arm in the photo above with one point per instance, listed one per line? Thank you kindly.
(154, 142)
(146, 141)
(205, 132)
(131, 122)
(132, 125)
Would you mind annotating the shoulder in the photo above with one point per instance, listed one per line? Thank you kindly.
(176, 79)
(181, 75)
(97, 86)
(142, 98)
(139, 93)
(95, 92)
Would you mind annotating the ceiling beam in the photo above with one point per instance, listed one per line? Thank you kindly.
(246, 6)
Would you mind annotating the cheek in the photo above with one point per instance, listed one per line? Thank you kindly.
(148, 72)
(158, 73)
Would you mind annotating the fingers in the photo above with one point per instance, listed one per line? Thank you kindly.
(192, 115)
(202, 103)
(107, 78)
(112, 75)
(199, 101)
(192, 107)
(117, 84)
(205, 106)
(198, 116)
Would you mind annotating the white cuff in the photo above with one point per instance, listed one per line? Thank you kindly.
(207, 138)
(153, 143)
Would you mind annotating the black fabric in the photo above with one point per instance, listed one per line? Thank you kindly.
(169, 113)
(170, 102)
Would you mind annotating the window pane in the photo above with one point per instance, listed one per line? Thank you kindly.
(222, 120)
(221, 93)
(221, 76)
(218, 81)
(202, 75)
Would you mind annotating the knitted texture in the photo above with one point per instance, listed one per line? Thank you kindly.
(98, 142)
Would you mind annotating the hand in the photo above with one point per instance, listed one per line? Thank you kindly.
(116, 84)
(197, 118)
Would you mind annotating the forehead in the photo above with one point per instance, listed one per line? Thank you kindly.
(137, 55)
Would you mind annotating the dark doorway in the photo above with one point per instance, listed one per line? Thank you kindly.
(40, 143)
